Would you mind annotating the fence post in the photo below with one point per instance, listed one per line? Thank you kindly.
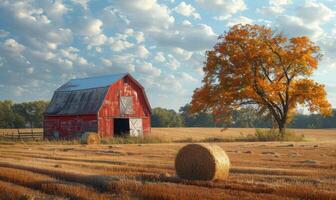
(19, 136)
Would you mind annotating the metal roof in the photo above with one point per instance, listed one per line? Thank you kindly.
(85, 95)
(91, 82)
(77, 102)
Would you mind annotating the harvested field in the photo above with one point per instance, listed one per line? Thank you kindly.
(176, 134)
(259, 170)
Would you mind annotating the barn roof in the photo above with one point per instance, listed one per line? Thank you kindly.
(84, 95)
(91, 82)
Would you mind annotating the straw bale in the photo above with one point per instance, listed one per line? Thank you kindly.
(90, 138)
(202, 162)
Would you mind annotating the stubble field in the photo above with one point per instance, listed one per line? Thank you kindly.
(259, 170)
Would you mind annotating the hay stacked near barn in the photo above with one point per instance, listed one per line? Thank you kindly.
(90, 138)
(202, 162)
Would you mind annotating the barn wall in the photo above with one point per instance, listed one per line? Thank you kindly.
(111, 106)
(68, 126)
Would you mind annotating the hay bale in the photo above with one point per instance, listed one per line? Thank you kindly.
(90, 138)
(202, 162)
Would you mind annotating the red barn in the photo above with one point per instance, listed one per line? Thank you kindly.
(110, 105)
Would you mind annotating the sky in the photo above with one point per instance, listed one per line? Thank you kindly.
(162, 43)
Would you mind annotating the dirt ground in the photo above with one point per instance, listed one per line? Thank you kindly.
(259, 170)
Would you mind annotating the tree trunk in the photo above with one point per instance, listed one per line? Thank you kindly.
(282, 130)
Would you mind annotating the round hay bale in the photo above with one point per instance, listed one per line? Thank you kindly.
(90, 138)
(202, 162)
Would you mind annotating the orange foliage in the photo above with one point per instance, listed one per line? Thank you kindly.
(253, 65)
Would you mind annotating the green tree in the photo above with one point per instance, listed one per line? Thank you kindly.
(32, 112)
(200, 119)
(162, 117)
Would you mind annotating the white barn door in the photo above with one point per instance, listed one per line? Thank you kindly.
(135, 127)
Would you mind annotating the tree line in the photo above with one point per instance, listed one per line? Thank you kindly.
(22, 115)
(243, 118)
(30, 114)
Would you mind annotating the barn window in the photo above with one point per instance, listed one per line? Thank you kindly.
(126, 105)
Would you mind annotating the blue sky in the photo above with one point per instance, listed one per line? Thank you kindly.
(161, 42)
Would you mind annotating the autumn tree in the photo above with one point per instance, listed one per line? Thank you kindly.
(254, 66)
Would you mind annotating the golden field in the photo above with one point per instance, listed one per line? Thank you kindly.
(259, 170)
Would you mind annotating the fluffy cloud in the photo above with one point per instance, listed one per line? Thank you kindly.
(223, 7)
(13, 46)
(187, 10)
(160, 57)
(138, 35)
(275, 7)
(307, 20)
(119, 43)
(3, 33)
(90, 27)
(187, 36)
(141, 51)
(144, 14)
(83, 3)
(239, 20)
(148, 69)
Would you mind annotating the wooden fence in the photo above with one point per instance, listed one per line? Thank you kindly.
(21, 134)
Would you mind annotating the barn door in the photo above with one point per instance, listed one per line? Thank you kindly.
(126, 105)
(135, 127)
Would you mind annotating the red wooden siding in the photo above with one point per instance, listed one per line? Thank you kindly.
(72, 125)
(69, 126)
(110, 108)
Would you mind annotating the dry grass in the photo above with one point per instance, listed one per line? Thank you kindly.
(259, 170)
(201, 134)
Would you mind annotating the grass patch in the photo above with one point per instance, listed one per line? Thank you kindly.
(259, 136)
(270, 135)
(133, 140)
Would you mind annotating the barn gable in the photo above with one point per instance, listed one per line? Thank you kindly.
(84, 95)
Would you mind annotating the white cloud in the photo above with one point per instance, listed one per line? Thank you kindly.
(148, 69)
(30, 70)
(182, 54)
(119, 43)
(83, 3)
(19, 91)
(223, 7)
(173, 63)
(314, 13)
(144, 14)
(13, 46)
(307, 20)
(106, 62)
(56, 9)
(71, 54)
(239, 20)
(280, 2)
(271, 10)
(160, 57)
(138, 35)
(187, 36)
(187, 10)
(90, 27)
(95, 40)
(275, 7)
(187, 77)
(3, 33)
(141, 51)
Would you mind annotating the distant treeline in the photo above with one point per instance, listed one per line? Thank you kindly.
(30, 114)
(243, 118)
(22, 115)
